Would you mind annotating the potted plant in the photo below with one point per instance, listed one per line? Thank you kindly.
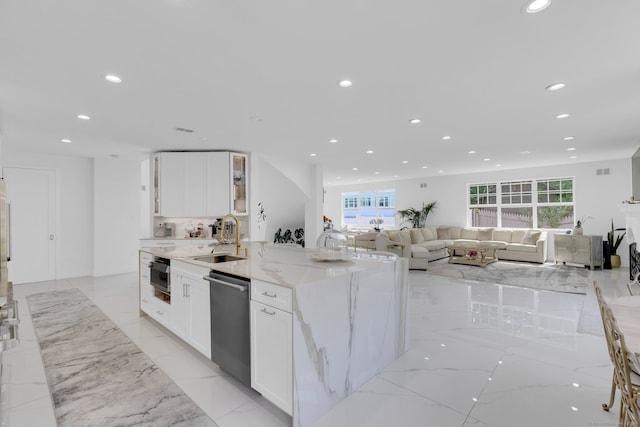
(614, 243)
(417, 217)
(577, 230)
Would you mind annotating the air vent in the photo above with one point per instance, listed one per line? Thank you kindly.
(185, 130)
(423, 185)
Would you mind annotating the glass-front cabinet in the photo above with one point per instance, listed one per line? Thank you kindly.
(239, 180)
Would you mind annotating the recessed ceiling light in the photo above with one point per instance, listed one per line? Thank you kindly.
(83, 117)
(472, 152)
(555, 86)
(440, 171)
(571, 149)
(369, 151)
(313, 154)
(113, 78)
(568, 138)
(354, 169)
(424, 167)
(345, 83)
(338, 177)
(376, 173)
(576, 385)
(486, 159)
(446, 137)
(573, 157)
(333, 141)
(68, 141)
(395, 176)
(404, 162)
(535, 6)
(562, 116)
(414, 121)
(498, 166)
(573, 408)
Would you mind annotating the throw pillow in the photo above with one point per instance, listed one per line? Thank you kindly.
(485, 234)
(444, 233)
(530, 237)
(405, 236)
(416, 235)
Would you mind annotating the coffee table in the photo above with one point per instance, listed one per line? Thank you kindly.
(485, 254)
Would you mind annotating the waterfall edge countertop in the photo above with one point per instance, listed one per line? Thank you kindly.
(285, 266)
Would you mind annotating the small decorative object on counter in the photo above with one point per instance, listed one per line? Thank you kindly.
(332, 239)
(472, 254)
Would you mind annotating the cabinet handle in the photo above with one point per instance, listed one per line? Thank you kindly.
(267, 294)
(264, 310)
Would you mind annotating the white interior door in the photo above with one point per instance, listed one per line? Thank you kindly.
(31, 198)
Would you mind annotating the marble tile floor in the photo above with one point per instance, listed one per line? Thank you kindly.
(481, 355)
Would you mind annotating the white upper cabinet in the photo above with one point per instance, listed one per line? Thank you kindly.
(218, 188)
(197, 184)
(239, 184)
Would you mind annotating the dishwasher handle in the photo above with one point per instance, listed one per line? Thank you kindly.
(220, 282)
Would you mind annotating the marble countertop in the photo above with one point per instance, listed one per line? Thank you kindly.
(281, 265)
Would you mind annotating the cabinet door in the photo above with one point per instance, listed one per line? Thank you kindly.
(271, 355)
(239, 184)
(180, 306)
(218, 183)
(195, 194)
(200, 315)
(582, 250)
(171, 184)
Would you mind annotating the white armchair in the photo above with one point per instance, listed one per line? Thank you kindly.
(365, 240)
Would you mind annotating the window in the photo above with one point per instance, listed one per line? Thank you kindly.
(542, 203)
(362, 208)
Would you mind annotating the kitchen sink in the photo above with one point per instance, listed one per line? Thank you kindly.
(216, 258)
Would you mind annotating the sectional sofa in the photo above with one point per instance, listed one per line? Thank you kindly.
(422, 245)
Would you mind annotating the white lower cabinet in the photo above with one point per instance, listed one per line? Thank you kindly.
(191, 307)
(272, 348)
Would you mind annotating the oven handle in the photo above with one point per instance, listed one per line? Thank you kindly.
(220, 282)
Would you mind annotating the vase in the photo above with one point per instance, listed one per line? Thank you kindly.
(615, 261)
(577, 231)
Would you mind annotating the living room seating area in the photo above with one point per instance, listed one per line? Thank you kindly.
(422, 245)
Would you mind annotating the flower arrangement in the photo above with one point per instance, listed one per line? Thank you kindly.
(472, 254)
(582, 220)
(376, 223)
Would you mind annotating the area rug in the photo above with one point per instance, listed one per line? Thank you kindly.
(547, 277)
(97, 375)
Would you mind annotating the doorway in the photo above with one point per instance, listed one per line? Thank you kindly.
(31, 203)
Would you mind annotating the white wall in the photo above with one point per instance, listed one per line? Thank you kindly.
(598, 196)
(117, 198)
(74, 208)
(283, 200)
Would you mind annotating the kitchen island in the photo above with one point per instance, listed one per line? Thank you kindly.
(337, 323)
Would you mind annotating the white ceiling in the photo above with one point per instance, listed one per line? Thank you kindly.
(475, 70)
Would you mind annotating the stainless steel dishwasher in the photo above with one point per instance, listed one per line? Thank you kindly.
(230, 340)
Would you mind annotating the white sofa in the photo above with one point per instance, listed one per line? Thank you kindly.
(422, 245)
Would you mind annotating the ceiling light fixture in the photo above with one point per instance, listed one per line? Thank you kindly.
(345, 83)
(415, 121)
(562, 116)
(425, 167)
(83, 117)
(571, 149)
(333, 141)
(376, 173)
(354, 169)
(525, 152)
(404, 162)
(67, 141)
(568, 138)
(113, 78)
(395, 176)
(446, 137)
(369, 151)
(535, 6)
(498, 166)
(472, 152)
(440, 171)
(313, 154)
(555, 86)
(486, 159)
(573, 157)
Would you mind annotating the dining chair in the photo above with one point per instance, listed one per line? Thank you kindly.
(629, 390)
(604, 314)
(634, 284)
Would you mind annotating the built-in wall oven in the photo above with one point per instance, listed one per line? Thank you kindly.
(160, 277)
